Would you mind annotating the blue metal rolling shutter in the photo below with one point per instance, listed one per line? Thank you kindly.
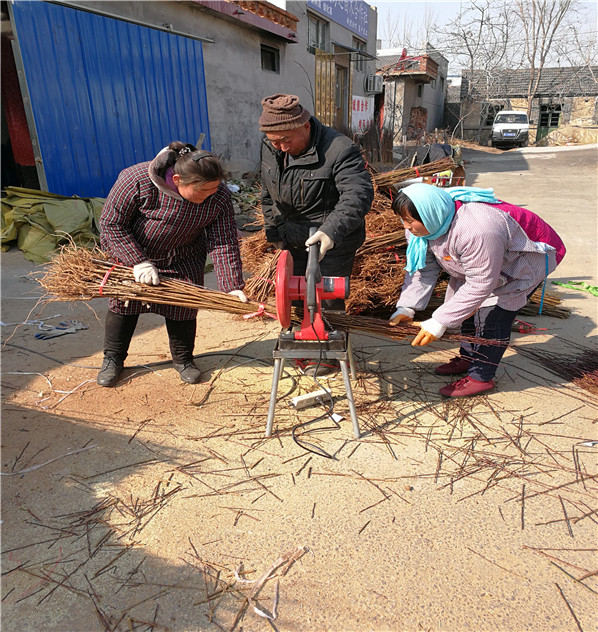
(106, 94)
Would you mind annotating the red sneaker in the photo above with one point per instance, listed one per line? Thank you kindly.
(465, 387)
(455, 366)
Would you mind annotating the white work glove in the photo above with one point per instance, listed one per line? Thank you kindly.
(402, 315)
(240, 295)
(146, 272)
(326, 243)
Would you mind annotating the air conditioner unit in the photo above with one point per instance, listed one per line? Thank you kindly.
(373, 83)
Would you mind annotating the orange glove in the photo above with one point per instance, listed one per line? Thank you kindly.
(423, 338)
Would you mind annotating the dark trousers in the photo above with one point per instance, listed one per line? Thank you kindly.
(119, 331)
(491, 323)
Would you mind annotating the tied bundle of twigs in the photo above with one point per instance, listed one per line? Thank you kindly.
(386, 179)
(383, 242)
(261, 286)
(77, 274)
(380, 327)
(550, 307)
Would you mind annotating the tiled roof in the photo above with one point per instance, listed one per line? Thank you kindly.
(394, 66)
(269, 11)
(387, 60)
(572, 81)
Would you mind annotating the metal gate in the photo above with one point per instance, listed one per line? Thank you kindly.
(325, 87)
(103, 94)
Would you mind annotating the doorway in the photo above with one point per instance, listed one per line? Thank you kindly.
(18, 161)
(550, 116)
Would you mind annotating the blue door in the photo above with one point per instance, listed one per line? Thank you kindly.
(106, 94)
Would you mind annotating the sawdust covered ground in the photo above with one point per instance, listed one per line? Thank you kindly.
(152, 505)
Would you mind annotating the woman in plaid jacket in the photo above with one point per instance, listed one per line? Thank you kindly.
(162, 218)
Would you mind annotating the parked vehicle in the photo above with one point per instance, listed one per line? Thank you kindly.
(510, 129)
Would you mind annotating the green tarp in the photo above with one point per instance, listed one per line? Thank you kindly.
(40, 222)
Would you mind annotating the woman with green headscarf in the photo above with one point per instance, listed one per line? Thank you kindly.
(496, 255)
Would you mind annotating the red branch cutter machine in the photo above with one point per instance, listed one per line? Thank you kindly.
(313, 341)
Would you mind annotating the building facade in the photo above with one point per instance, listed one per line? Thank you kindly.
(105, 84)
(564, 96)
(414, 91)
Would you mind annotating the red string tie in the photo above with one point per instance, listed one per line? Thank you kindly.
(261, 311)
(527, 328)
(265, 279)
(105, 279)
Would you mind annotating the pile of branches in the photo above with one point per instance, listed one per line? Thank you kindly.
(379, 268)
(579, 366)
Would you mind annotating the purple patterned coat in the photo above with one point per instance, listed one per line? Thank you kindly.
(144, 219)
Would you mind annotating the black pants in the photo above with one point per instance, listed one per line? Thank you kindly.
(119, 331)
(493, 323)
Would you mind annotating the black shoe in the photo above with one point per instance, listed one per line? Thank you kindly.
(110, 372)
(188, 371)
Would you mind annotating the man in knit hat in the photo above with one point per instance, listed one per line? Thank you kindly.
(312, 176)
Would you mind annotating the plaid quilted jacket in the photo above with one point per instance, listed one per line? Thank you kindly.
(143, 219)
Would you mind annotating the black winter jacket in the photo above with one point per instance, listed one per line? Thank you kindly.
(327, 187)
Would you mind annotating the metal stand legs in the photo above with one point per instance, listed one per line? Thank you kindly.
(299, 349)
(278, 367)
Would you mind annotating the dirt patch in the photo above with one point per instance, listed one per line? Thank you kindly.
(150, 505)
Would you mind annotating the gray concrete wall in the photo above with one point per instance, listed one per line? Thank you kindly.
(434, 96)
(433, 101)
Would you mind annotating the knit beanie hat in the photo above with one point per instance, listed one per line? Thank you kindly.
(282, 112)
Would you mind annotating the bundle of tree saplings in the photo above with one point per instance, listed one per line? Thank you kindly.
(79, 274)
(378, 271)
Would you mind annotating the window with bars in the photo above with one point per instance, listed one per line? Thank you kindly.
(270, 58)
(550, 115)
(317, 34)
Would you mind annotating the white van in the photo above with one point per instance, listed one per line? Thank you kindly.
(510, 128)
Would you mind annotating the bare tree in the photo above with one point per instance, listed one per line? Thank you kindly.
(491, 37)
(541, 20)
(480, 39)
(576, 44)
(401, 31)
